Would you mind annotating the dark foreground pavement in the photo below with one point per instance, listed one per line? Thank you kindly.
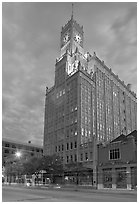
(67, 194)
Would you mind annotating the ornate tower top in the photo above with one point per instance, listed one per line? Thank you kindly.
(72, 36)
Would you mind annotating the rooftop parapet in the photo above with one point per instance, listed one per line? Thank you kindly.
(128, 86)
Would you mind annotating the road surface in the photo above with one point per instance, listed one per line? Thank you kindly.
(31, 194)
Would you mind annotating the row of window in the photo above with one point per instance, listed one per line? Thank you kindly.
(7, 151)
(20, 147)
(71, 158)
(69, 146)
(60, 93)
(83, 157)
(86, 156)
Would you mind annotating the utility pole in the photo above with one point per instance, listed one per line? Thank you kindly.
(95, 155)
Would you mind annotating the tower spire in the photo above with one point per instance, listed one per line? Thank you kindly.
(72, 10)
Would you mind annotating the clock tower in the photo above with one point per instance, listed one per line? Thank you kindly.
(72, 37)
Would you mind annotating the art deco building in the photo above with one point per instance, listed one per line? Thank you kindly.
(87, 103)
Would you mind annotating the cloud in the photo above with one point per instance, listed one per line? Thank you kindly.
(31, 44)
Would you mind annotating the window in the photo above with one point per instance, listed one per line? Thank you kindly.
(71, 145)
(67, 133)
(71, 158)
(59, 148)
(63, 91)
(81, 158)
(75, 157)
(56, 148)
(75, 144)
(67, 146)
(6, 151)
(62, 147)
(114, 154)
(86, 156)
(67, 159)
(7, 145)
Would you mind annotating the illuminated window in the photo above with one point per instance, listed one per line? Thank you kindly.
(63, 91)
(76, 108)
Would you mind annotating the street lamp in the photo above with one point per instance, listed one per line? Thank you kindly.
(18, 154)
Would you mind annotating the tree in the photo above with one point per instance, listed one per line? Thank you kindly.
(51, 164)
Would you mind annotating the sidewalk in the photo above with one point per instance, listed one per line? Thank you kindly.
(76, 188)
(87, 189)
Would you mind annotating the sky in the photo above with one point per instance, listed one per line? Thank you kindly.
(31, 44)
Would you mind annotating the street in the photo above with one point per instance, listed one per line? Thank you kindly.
(32, 194)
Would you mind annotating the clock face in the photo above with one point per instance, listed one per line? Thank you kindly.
(78, 38)
(66, 38)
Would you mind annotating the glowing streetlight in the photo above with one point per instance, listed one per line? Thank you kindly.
(18, 154)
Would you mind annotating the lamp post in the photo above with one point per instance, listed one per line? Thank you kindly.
(18, 156)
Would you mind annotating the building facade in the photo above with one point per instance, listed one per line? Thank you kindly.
(117, 166)
(88, 103)
(11, 147)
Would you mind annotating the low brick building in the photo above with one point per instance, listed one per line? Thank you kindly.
(10, 147)
(117, 163)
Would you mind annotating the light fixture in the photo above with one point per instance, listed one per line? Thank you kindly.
(18, 154)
